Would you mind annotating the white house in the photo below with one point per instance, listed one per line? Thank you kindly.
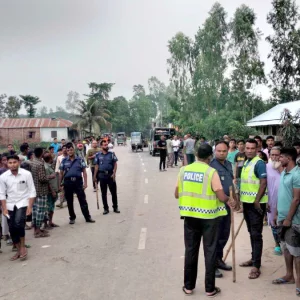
(269, 122)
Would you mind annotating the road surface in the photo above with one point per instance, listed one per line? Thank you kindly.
(137, 254)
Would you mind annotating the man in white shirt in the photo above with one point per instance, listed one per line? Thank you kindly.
(17, 194)
(57, 171)
(175, 145)
(170, 152)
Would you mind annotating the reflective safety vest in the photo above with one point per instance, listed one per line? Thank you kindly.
(196, 197)
(250, 183)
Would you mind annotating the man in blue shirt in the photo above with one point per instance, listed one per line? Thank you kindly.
(224, 168)
(55, 145)
(289, 216)
(70, 178)
(105, 172)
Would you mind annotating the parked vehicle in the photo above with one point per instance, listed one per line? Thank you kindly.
(137, 141)
(155, 136)
(121, 138)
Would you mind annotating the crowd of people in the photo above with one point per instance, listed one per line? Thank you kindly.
(264, 180)
(33, 180)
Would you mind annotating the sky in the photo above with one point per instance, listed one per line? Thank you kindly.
(48, 48)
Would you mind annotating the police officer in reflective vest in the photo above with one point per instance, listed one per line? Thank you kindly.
(105, 172)
(253, 194)
(201, 203)
(70, 179)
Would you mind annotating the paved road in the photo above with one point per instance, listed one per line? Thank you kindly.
(137, 254)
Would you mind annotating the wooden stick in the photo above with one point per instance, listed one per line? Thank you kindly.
(235, 236)
(97, 197)
(233, 247)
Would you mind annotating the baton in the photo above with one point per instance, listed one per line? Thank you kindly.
(97, 197)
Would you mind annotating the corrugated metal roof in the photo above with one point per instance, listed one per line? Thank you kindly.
(35, 123)
(273, 115)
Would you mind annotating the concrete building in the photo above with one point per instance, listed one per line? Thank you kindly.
(269, 122)
(34, 130)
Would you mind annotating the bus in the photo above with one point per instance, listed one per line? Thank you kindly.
(155, 135)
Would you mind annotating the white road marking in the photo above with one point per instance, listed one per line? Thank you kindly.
(145, 171)
(142, 241)
(46, 246)
(143, 164)
(146, 199)
(146, 180)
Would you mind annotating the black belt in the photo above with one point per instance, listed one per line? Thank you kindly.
(105, 172)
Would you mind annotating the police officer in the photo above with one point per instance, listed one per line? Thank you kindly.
(70, 178)
(224, 168)
(201, 203)
(105, 172)
(253, 194)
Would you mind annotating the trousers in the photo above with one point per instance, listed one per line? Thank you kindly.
(255, 222)
(112, 185)
(224, 233)
(16, 223)
(170, 159)
(93, 172)
(194, 230)
(162, 162)
(70, 190)
(190, 158)
(176, 157)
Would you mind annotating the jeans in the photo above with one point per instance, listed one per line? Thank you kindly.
(190, 158)
(112, 185)
(194, 230)
(16, 223)
(176, 157)
(162, 162)
(254, 221)
(224, 233)
(70, 190)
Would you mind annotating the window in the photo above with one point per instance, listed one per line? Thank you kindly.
(31, 134)
(54, 134)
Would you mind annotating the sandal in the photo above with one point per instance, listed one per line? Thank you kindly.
(23, 257)
(41, 235)
(254, 274)
(215, 293)
(248, 263)
(27, 227)
(54, 225)
(282, 281)
(15, 257)
(298, 292)
(184, 290)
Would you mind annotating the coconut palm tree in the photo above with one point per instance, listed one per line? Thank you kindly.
(91, 115)
(30, 102)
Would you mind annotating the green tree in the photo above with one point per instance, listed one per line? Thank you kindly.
(210, 62)
(30, 103)
(120, 114)
(90, 116)
(12, 107)
(285, 51)
(72, 101)
(100, 91)
(42, 111)
(248, 69)
(2, 105)
(142, 109)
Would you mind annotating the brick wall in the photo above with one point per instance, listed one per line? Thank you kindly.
(9, 135)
